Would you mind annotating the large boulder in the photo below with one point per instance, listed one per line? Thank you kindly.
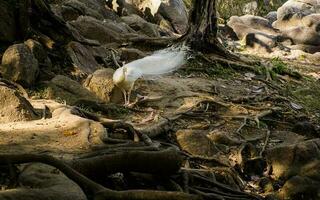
(131, 54)
(254, 22)
(151, 6)
(7, 23)
(140, 25)
(103, 31)
(20, 65)
(256, 31)
(14, 107)
(43, 182)
(250, 8)
(65, 89)
(290, 13)
(138, 7)
(196, 143)
(39, 53)
(124, 7)
(176, 13)
(271, 16)
(72, 9)
(101, 84)
(82, 58)
(306, 31)
(297, 165)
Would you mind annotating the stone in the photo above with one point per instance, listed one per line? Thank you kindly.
(140, 25)
(250, 8)
(254, 22)
(297, 165)
(72, 9)
(44, 182)
(20, 65)
(151, 6)
(292, 11)
(65, 89)
(164, 23)
(221, 137)
(39, 53)
(257, 32)
(131, 54)
(124, 7)
(302, 30)
(99, 6)
(104, 32)
(82, 57)
(176, 13)
(101, 84)
(14, 107)
(298, 8)
(271, 16)
(196, 143)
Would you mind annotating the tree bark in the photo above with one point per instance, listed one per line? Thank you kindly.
(203, 27)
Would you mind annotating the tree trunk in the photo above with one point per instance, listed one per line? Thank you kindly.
(203, 27)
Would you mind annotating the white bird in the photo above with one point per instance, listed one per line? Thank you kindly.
(159, 63)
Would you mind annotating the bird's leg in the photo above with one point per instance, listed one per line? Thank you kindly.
(124, 95)
(129, 94)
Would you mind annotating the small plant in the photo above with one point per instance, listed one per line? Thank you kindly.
(279, 66)
(228, 8)
(40, 93)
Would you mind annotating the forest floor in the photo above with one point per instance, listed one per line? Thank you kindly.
(225, 119)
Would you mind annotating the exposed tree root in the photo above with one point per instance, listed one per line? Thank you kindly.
(255, 118)
(92, 189)
(129, 161)
(265, 143)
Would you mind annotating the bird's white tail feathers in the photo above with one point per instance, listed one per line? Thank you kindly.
(160, 62)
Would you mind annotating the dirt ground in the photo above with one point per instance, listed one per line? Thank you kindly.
(224, 118)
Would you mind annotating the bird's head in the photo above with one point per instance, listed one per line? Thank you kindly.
(119, 76)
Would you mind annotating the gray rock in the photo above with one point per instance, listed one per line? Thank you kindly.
(256, 31)
(65, 89)
(292, 7)
(306, 48)
(176, 13)
(140, 6)
(130, 54)
(39, 53)
(20, 65)
(196, 143)
(292, 11)
(297, 165)
(14, 107)
(104, 32)
(100, 7)
(307, 31)
(43, 183)
(253, 22)
(250, 8)
(140, 25)
(271, 16)
(123, 7)
(72, 9)
(101, 84)
(82, 58)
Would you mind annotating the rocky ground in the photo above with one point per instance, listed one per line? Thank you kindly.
(210, 130)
